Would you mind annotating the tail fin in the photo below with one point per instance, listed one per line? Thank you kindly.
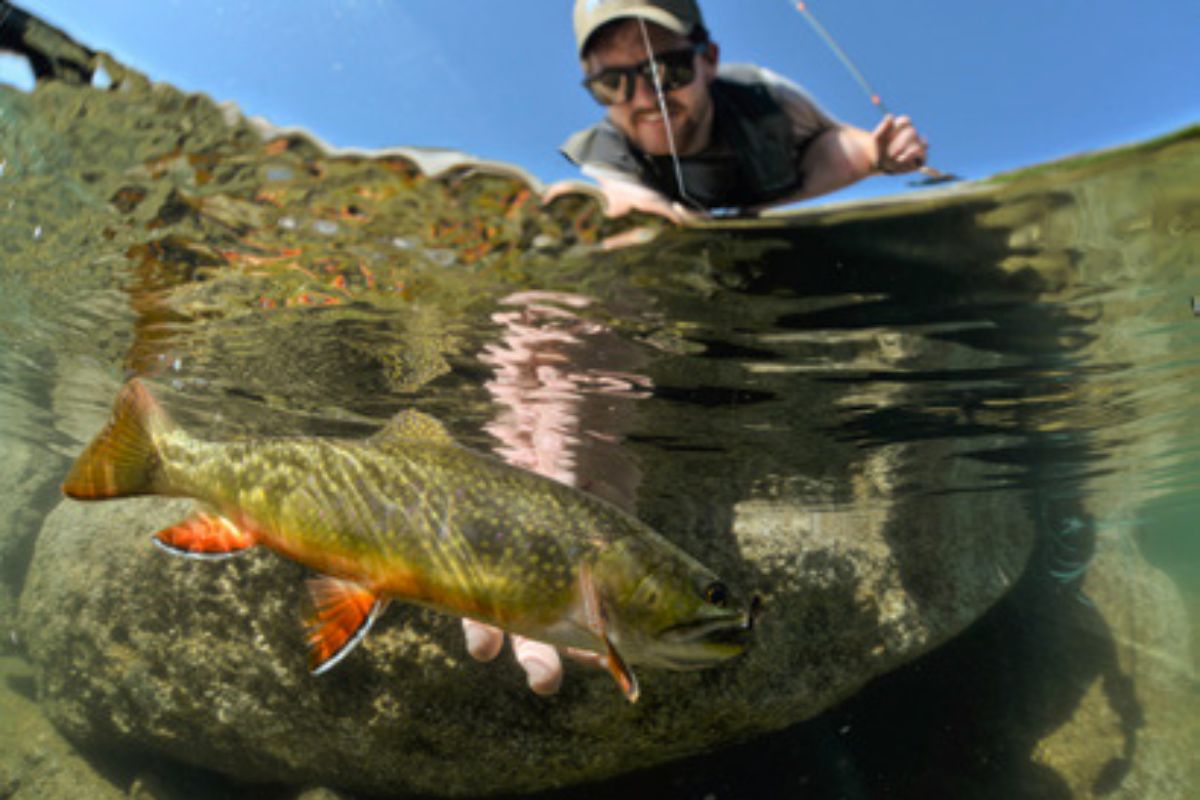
(123, 459)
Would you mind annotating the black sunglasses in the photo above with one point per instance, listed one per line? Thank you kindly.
(676, 68)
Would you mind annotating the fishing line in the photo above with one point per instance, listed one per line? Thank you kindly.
(931, 175)
(662, 110)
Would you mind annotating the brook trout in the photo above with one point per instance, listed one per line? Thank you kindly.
(410, 514)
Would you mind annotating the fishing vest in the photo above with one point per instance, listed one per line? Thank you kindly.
(754, 157)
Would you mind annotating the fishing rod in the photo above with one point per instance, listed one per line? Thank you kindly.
(932, 175)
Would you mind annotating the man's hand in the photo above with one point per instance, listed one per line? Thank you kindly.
(541, 662)
(898, 146)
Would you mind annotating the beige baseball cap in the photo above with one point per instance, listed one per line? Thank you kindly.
(680, 16)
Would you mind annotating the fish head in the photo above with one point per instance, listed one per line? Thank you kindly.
(663, 608)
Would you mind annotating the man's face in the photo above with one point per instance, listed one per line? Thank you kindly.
(689, 107)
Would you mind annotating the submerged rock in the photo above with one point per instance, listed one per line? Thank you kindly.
(1132, 733)
(205, 662)
(35, 760)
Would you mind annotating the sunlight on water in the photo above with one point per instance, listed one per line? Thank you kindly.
(1026, 346)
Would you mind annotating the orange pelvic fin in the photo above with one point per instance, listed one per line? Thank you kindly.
(611, 660)
(122, 461)
(343, 613)
(621, 672)
(206, 536)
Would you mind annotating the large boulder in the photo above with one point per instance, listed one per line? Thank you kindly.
(204, 662)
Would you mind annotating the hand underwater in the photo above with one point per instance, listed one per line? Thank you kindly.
(541, 662)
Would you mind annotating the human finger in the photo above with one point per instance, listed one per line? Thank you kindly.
(586, 657)
(483, 641)
(881, 137)
(916, 152)
(884, 128)
(902, 139)
(541, 663)
(908, 153)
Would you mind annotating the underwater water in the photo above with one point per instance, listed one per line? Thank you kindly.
(1031, 343)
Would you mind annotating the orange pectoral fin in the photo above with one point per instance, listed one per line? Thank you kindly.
(611, 660)
(621, 672)
(205, 536)
(343, 613)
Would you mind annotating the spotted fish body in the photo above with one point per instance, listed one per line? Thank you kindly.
(410, 514)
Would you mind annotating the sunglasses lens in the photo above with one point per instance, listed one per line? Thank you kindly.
(677, 70)
(610, 86)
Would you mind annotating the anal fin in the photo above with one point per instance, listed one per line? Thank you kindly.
(343, 612)
(204, 536)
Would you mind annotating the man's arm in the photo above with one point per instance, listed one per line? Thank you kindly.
(839, 154)
(624, 193)
(845, 154)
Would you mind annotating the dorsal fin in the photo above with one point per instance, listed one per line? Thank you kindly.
(411, 426)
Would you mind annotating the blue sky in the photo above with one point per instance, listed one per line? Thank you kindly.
(994, 86)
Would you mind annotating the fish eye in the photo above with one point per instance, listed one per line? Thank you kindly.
(717, 594)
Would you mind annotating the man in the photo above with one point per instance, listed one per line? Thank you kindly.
(736, 137)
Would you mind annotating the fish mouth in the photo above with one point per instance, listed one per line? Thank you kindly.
(702, 641)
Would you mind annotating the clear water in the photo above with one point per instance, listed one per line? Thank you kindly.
(1034, 336)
